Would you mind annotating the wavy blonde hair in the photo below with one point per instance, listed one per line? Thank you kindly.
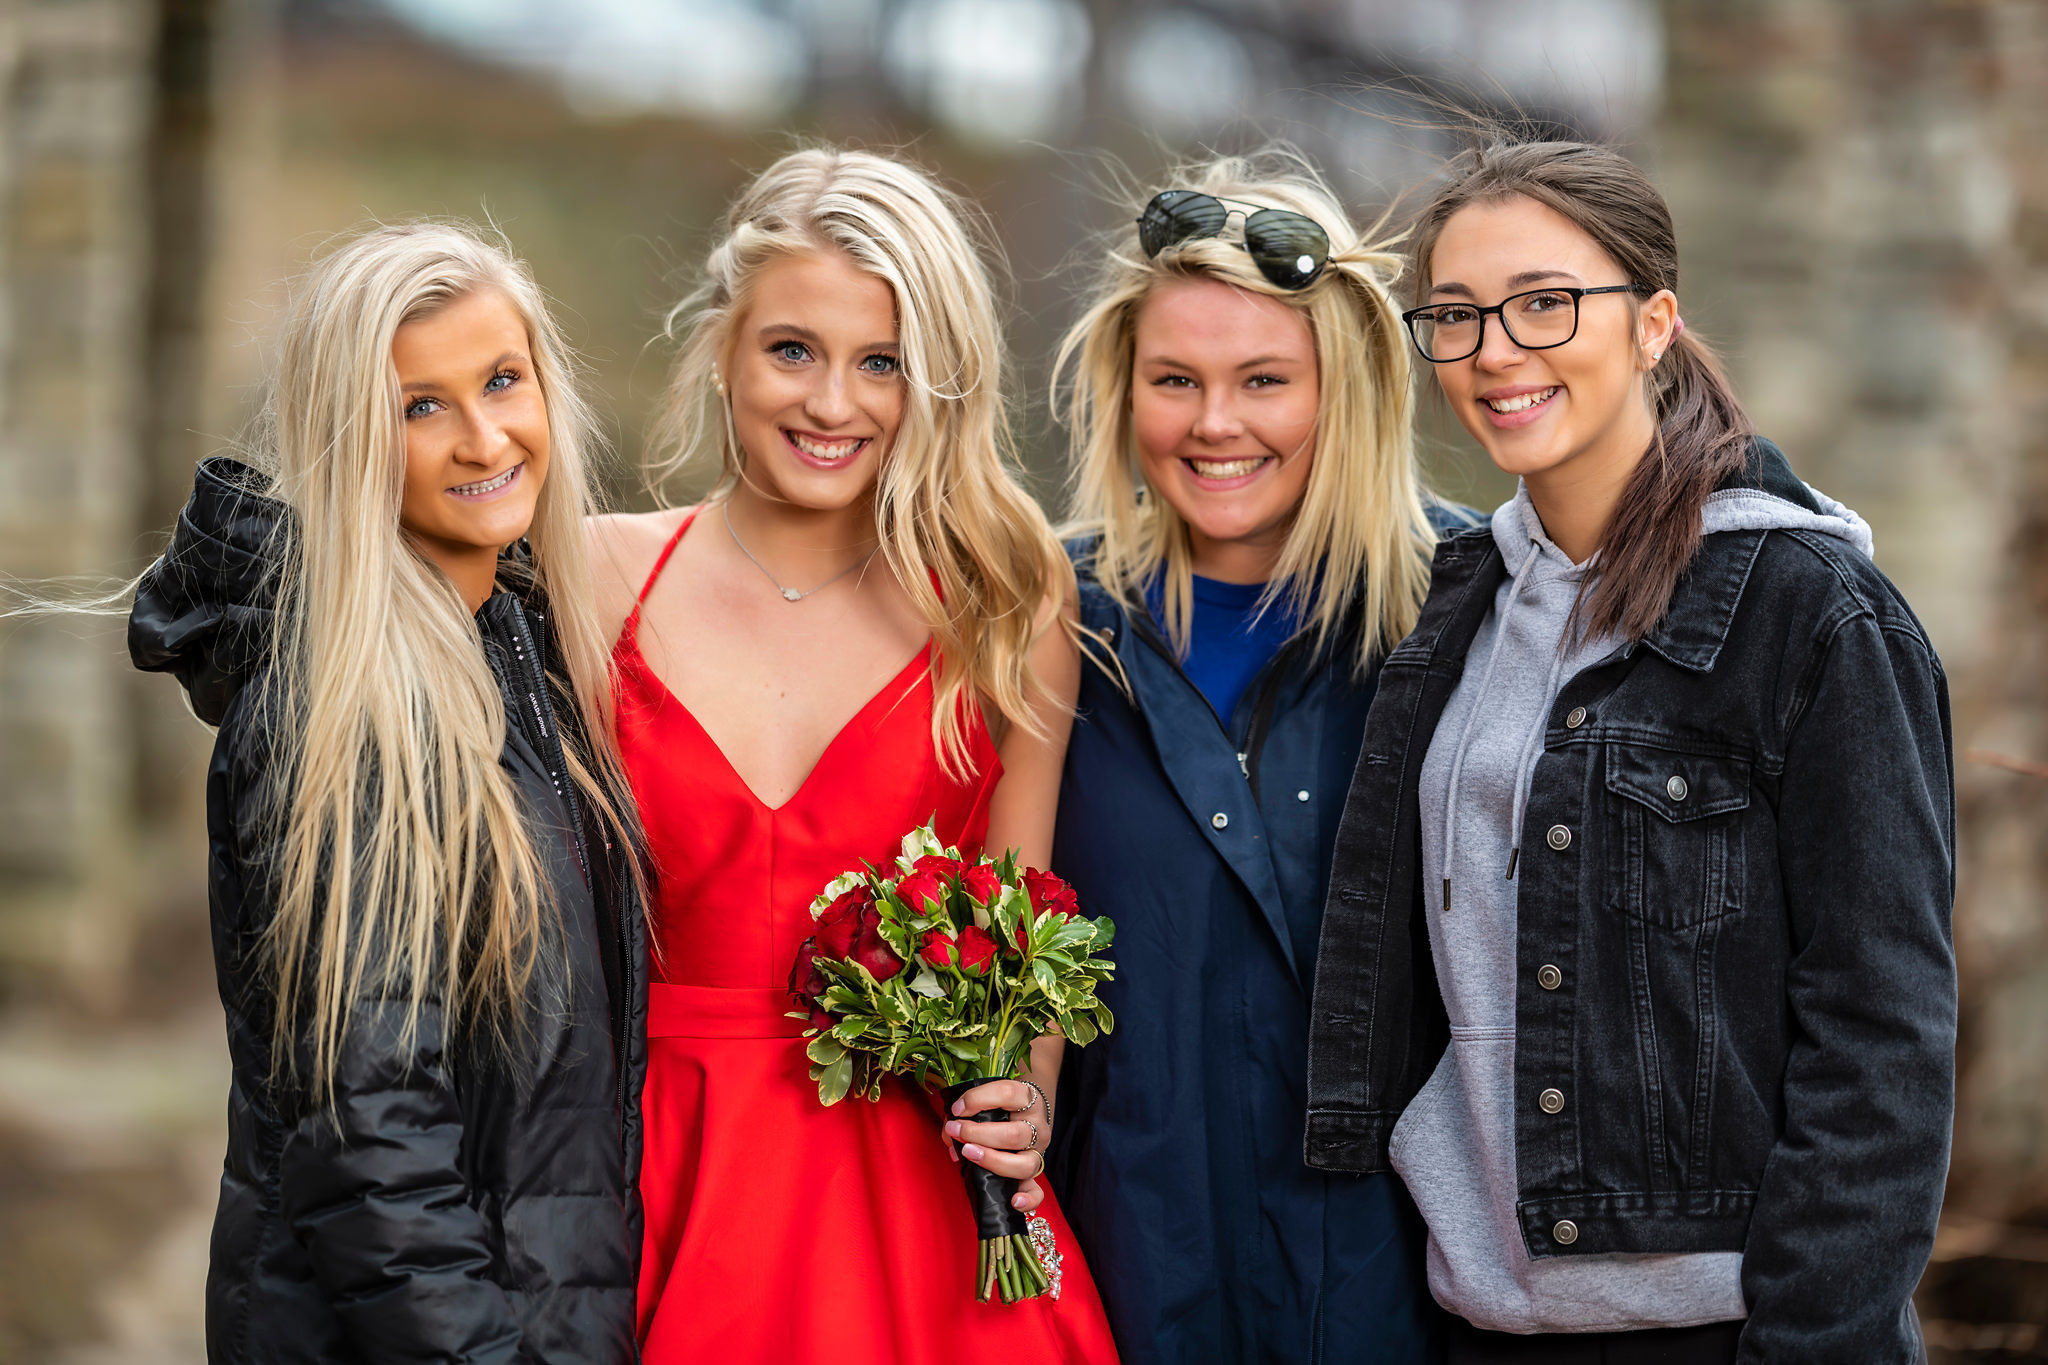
(405, 870)
(1362, 538)
(962, 537)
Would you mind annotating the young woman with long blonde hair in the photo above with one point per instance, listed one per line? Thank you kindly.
(861, 629)
(1253, 538)
(424, 903)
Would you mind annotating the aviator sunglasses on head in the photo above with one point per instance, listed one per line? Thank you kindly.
(1288, 249)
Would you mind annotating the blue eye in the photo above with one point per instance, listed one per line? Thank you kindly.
(795, 352)
(420, 407)
(880, 364)
(502, 380)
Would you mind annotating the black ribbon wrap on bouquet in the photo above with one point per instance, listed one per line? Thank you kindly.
(988, 1194)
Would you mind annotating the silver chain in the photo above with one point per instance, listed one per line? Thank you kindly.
(790, 594)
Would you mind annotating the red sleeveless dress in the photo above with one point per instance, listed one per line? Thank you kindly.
(779, 1230)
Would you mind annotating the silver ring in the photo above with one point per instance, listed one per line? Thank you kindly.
(1033, 1144)
(1032, 1086)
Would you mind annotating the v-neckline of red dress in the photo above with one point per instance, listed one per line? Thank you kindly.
(629, 639)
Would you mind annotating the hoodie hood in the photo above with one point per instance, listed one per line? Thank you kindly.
(205, 611)
(1766, 496)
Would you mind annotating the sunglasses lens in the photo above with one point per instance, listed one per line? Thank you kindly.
(1289, 250)
(1177, 215)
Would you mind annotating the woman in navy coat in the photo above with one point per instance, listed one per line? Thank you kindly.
(1254, 537)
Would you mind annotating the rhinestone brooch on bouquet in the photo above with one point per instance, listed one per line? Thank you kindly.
(1048, 1252)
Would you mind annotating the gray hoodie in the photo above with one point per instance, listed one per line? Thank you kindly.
(1455, 1144)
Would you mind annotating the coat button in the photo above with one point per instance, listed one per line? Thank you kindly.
(1550, 1101)
(1301, 796)
(1558, 838)
(1676, 788)
(1220, 820)
(1549, 977)
(1565, 1231)
(1575, 718)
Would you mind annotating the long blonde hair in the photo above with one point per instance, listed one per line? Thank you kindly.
(1362, 539)
(963, 538)
(404, 869)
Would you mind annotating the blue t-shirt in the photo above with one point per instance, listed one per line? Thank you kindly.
(1226, 646)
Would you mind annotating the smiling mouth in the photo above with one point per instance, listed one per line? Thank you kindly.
(829, 452)
(1521, 402)
(1226, 469)
(483, 487)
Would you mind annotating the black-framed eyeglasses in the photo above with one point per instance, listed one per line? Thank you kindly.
(1290, 250)
(1535, 321)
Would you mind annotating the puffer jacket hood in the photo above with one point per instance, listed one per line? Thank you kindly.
(205, 611)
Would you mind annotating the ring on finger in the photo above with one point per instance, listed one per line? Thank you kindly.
(1033, 1144)
(1041, 1168)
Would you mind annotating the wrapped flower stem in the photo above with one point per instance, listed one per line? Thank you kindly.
(1006, 1262)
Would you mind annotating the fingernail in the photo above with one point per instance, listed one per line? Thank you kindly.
(960, 1108)
(1017, 1201)
(952, 1130)
(971, 1152)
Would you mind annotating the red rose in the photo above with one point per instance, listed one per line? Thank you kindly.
(924, 891)
(872, 951)
(807, 982)
(981, 884)
(977, 950)
(940, 949)
(940, 863)
(841, 921)
(1048, 892)
(850, 929)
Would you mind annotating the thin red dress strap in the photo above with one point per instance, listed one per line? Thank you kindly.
(660, 563)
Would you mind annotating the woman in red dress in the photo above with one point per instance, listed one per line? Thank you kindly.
(866, 626)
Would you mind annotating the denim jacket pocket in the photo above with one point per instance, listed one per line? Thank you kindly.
(1674, 834)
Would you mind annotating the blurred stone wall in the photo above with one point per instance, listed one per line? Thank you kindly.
(1864, 217)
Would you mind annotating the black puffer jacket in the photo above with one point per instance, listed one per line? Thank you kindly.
(453, 1204)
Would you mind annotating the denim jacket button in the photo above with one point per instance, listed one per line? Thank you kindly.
(1550, 1101)
(1575, 718)
(1559, 838)
(1549, 977)
(1676, 788)
(1565, 1231)
(1219, 820)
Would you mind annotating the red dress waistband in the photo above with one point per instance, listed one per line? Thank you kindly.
(720, 1012)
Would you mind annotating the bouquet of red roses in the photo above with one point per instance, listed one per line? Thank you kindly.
(946, 969)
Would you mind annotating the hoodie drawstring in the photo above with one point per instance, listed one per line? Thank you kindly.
(1471, 722)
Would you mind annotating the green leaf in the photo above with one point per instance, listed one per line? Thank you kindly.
(1105, 930)
(927, 984)
(834, 1081)
(825, 1049)
(1080, 1030)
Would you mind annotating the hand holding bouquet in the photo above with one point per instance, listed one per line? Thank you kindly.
(946, 970)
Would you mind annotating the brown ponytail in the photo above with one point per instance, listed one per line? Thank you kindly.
(1702, 432)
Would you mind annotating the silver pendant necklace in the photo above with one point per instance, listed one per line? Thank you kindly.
(790, 594)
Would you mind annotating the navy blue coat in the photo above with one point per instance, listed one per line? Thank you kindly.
(1178, 1152)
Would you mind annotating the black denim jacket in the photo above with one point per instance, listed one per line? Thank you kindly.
(1734, 945)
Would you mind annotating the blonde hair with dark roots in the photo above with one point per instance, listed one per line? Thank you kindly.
(963, 538)
(1362, 539)
(405, 871)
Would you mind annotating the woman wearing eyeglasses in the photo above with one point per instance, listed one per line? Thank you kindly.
(1654, 827)
(1253, 537)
